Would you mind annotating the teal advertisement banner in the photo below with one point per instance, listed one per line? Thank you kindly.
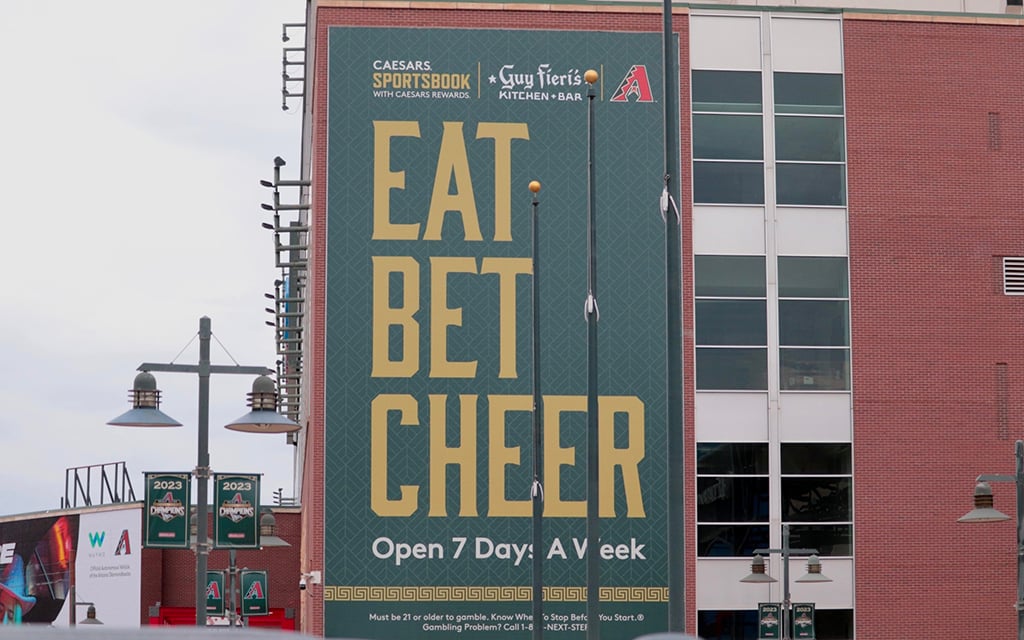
(215, 593)
(433, 136)
(803, 621)
(769, 620)
(168, 496)
(236, 522)
(254, 593)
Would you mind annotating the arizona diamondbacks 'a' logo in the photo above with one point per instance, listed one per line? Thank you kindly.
(635, 87)
(255, 591)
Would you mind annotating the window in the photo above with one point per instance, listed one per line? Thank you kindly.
(814, 324)
(810, 144)
(731, 323)
(728, 140)
(817, 496)
(732, 498)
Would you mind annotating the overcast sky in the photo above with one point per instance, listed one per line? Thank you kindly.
(133, 135)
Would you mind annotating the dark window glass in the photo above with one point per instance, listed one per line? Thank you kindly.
(828, 539)
(740, 369)
(730, 276)
(809, 184)
(808, 93)
(833, 624)
(732, 458)
(813, 369)
(726, 91)
(809, 138)
(819, 499)
(732, 499)
(813, 278)
(729, 137)
(731, 540)
(727, 625)
(815, 323)
(739, 322)
(728, 182)
(804, 458)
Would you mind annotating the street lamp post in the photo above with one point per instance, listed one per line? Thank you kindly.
(146, 412)
(984, 511)
(758, 574)
(537, 490)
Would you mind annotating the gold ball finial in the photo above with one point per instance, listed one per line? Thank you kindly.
(534, 186)
(590, 76)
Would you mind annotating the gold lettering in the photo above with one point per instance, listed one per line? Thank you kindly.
(452, 162)
(462, 456)
(381, 406)
(502, 456)
(507, 270)
(385, 317)
(384, 180)
(442, 316)
(503, 133)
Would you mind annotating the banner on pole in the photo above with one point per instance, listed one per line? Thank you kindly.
(803, 621)
(236, 498)
(215, 593)
(254, 593)
(768, 620)
(168, 496)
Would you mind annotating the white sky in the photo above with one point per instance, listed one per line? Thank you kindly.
(133, 135)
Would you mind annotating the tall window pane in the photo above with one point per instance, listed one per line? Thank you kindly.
(730, 276)
(808, 93)
(732, 322)
(814, 369)
(744, 369)
(726, 91)
(728, 137)
(813, 277)
(816, 323)
(809, 138)
(728, 182)
(816, 499)
(811, 184)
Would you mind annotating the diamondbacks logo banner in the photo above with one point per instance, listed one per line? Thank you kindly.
(236, 511)
(254, 593)
(168, 497)
(433, 137)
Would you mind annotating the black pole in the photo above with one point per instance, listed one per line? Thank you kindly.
(676, 470)
(1018, 450)
(593, 512)
(202, 469)
(537, 491)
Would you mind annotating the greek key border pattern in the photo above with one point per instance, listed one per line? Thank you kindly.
(363, 593)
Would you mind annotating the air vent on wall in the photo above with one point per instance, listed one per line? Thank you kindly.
(1013, 276)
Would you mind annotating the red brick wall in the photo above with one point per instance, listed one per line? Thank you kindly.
(169, 575)
(471, 16)
(935, 201)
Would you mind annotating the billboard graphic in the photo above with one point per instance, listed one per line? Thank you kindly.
(168, 496)
(36, 559)
(108, 566)
(433, 138)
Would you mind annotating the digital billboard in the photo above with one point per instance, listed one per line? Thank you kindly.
(433, 136)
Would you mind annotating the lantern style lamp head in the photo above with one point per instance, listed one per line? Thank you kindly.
(984, 509)
(814, 571)
(757, 572)
(263, 418)
(145, 411)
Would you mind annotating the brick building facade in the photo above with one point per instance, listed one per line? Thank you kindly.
(850, 191)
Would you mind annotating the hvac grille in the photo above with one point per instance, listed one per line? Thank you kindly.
(1013, 276)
